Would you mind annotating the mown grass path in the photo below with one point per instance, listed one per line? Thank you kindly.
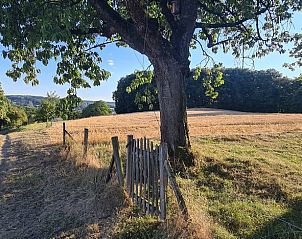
(42, 195)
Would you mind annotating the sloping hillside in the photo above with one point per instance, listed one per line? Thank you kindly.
(35, 101)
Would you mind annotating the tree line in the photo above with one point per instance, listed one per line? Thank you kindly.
(247, 90)
(68, 108)
(50, 108)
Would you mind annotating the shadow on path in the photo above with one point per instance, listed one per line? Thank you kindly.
(42, 195)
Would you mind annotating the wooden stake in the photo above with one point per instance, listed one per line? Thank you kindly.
(163, 152)
(133, 175)
(129, 163)
(85, 143)
(64, 133)
(117, 160)
(148, 176)
(137, 171)
(174, 185)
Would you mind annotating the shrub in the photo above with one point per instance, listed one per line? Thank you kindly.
(96, 109)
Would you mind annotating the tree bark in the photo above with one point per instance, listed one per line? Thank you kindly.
(170, 81)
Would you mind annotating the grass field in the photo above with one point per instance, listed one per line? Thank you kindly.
(203, 122)
(246, 184)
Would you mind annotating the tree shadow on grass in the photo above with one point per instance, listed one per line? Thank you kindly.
(288, 226)
(44, 195)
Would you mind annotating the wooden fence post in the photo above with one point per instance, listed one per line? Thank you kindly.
(85, 143)
(117, 160)
(163, 155)
(64, 133)
(129, 164)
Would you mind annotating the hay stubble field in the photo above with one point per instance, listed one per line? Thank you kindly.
(202, 122)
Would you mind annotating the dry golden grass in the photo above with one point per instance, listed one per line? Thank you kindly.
(47, 195)
(65, 197)
(203, 122)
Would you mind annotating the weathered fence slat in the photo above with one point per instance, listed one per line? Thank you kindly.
(152, 164)
(144, 195)
(133, 168)
(156, 174)
(64, 133)
(163, 155)
(141, 167)
(117, 160)
(128, 163)
(148, 175)
(85, 143)
(179, 197)
(137, 172)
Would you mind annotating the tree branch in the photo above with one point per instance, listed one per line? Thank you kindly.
(118, 24)
(102, 44)
(225, 24)
(167, 13)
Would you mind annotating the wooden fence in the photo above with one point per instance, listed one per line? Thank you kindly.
(147, 173)
(146, 181)
(85, 140)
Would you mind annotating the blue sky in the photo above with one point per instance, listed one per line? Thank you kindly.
(123, 61)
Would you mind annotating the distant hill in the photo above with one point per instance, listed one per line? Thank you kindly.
(35, 101)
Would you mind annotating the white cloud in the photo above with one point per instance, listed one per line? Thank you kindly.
(110, 62)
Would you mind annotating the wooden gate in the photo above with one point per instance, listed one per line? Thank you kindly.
(145, 179)
(148, 173)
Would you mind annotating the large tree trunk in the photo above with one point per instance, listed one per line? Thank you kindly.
(168, 55)
(170, 81)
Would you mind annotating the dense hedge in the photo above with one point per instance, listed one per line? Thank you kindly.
(243, 90)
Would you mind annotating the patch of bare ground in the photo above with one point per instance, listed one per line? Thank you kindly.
(44, 195)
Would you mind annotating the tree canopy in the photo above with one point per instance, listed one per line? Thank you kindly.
(243, 90)
(17, 116)
(4, 104)
(98, 108)
(10, 115)
(47, 111)
(72, 31)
